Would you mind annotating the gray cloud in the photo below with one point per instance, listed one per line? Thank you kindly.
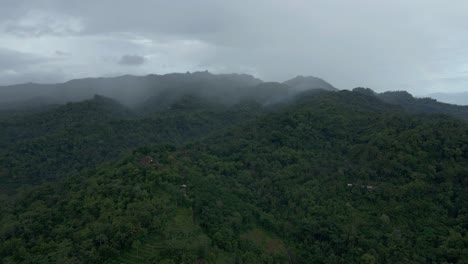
(132, 60)
(20, 67)
(11, 60)
(62, 53)
(35, 76)
(385, 45)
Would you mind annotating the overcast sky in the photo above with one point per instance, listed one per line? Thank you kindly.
(415, 45)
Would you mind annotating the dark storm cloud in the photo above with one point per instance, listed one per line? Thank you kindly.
(381, 44)
(132, 60)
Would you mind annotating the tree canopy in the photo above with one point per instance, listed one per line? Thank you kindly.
(330, 177)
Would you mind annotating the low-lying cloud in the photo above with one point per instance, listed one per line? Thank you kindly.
(132, 60)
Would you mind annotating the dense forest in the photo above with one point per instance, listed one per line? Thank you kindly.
(323, 176)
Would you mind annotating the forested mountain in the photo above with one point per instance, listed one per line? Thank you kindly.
(130, 90)
(274, 176)
(152, 93)
(418, 105)
(76, 136)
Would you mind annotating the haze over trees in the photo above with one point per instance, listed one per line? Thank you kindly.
(204, 168)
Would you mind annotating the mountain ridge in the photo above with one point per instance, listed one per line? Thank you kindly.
(133, 90)
(417, 105)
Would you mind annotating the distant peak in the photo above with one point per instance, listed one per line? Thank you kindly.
(303, 83)
(100, 97)
(364, 90)
(398, 94)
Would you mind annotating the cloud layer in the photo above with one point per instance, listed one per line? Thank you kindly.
(386, 45)
(132, 60)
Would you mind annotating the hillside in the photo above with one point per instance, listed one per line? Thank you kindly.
(329, 177)
(418, 105)
(48, 145)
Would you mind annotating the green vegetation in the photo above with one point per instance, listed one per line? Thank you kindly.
(331, 177)
(76, 136)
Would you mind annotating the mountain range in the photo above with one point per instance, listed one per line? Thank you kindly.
(135, 90)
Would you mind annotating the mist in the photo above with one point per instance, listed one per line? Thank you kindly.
(137, 92)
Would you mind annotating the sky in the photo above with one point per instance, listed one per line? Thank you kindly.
(418, 45)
